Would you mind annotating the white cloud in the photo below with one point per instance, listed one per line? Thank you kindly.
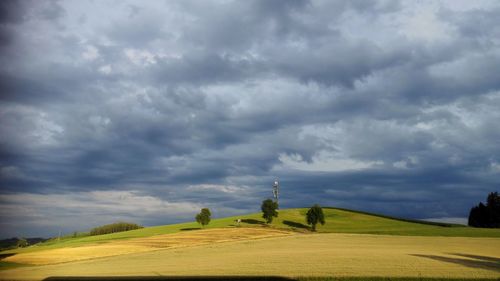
(140, 57)
(457, 220)
(218, 188)
(495, 167)
(105, 69)
(82, 210)
(109, 201)
(47, 130)
(100, 124)
(323, 162)
(40, 128)
(406, 163)
(91, 53)
(422, 22)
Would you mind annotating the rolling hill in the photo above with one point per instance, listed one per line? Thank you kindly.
(351, 243)
(337, 221)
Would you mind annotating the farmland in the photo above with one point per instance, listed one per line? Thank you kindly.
(144, 244)
(338, 221)
(300, 255)
(350, 244)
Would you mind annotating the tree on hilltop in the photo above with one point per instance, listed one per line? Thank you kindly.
(203, 217)
(269, 208)
(314, 216)
(22, 242)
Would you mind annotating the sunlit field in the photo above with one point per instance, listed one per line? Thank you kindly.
(299, 255)
(144, 244)
(338, 221)
(350, 244)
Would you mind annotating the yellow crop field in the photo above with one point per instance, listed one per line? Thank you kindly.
(144, 244)
(298, 255)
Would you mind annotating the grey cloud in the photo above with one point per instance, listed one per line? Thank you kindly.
(52, 10)
(180, 100)
(12, 11)
(202, 68)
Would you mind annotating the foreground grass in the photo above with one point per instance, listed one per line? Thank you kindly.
(337, 221)
(390, 279)
(298, 256)
(258, 278)
(4, 265)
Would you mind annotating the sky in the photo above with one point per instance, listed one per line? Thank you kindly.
(147, 111)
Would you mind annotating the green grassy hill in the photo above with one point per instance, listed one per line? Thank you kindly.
(337, 221)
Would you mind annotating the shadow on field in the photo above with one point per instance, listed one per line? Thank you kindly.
(3, 256)
(295, 224)
(497, 260)
(190, 228)
(171, 278)
(252, 221)
(474, 261)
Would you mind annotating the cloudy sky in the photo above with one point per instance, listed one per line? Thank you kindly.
(147, 111)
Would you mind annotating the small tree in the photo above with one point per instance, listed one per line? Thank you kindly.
(21, 243)
(269, 208)
(203, 217)
(314, 216)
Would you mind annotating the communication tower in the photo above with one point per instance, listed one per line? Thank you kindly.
(276, 190)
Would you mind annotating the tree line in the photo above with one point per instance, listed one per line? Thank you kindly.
(114, 227)
(19, 242)
(313, 216)
(486, 215)
(269, 210)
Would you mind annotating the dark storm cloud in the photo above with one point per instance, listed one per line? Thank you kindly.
(202, 68)
(152, 111)
(12, 11)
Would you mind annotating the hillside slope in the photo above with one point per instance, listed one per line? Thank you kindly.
(146, 244)
(337, 221)
(349, 244)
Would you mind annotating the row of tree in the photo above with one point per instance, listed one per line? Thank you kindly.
(18, 242)
(313, 216)
(269, 211)
(114, 227)
(486, 215)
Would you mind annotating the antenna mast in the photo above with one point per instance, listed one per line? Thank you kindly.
(276, 190)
